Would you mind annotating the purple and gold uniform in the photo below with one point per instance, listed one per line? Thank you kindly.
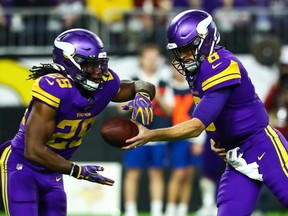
(241, 122)
(75, 116)
(231, 112)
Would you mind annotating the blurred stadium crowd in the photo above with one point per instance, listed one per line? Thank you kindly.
(258, 27)
(124, 24)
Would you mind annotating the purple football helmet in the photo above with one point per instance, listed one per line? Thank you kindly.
(194, 30)
(77, 47)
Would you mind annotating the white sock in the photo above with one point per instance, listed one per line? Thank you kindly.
(208, 192)
(182, 209)
(156, 208)
(170, 209)
(131, 209)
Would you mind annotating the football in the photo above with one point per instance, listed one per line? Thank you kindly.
(115, 131)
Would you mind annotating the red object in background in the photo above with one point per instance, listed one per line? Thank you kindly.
(271, 103)
(139, 3)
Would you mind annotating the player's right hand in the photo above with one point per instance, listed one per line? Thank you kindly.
(90, 173)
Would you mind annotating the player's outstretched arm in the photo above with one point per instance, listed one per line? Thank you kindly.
(184, 130)
(128, 90)
(140, 93)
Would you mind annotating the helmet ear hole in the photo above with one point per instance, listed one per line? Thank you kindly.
(197, 41)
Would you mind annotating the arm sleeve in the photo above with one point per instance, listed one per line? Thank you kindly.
(211, 105)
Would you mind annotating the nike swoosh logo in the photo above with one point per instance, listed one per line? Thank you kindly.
(50, 82)
(215, 66)
(261, 156)
(84, 48)
(58, 179)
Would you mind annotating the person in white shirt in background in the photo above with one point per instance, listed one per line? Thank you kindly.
(151, 157)
(185, 155)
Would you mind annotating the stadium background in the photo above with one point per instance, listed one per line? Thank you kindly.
(258, 49)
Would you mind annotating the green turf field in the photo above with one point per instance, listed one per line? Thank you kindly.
(268, 214)
(147, 214)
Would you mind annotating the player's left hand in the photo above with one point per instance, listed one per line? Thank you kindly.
(90, 173)
(219, 151)
(141, 105)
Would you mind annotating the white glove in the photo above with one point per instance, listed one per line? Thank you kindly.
(234, 159)
(251, 170)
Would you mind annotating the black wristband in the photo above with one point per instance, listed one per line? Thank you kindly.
(145, 91)
(75, 170)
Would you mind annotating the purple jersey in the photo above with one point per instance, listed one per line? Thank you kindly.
(75, 113)
(243, 123)
(244, 113)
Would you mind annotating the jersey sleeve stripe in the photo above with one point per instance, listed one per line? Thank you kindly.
(45, 99)
(220, 80)
(231, 72)
(42, 95)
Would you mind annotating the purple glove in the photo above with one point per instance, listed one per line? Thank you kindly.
(141, 104)
(89, 173)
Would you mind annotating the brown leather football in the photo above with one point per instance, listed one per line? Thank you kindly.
(115, 131)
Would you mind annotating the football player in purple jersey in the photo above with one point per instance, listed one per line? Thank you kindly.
(230, 111)
(67, 97)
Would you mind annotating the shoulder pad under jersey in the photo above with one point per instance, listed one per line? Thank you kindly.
(51, 88)
(217, 72)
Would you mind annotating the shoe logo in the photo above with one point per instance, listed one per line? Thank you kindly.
(50, 82)
(215, 66)
(58, 179)
(261, 156)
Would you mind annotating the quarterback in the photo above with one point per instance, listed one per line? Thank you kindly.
(230, 111)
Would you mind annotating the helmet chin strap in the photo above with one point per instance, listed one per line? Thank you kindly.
(85, 83)
(90, 85)
(191, 69)
(82, 80)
